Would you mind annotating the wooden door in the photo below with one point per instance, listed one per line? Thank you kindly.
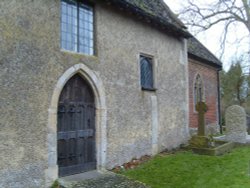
(76, 128)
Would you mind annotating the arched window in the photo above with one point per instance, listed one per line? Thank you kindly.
(198, 90)
(146, 72)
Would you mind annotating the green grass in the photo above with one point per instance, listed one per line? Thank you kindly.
(187, 170)
(55, 184)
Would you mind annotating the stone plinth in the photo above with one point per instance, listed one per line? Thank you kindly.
(199, 141)
(236, 129)
(220, 148)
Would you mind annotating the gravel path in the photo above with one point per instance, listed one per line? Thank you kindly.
(109, 181)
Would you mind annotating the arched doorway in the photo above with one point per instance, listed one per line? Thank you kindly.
(76, 143)
(94, 80)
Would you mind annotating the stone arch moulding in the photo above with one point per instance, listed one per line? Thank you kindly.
(51, 173)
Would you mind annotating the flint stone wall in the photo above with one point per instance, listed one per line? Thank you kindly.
(31, 63)
(236, 129)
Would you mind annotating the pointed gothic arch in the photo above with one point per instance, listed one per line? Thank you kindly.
(101, 117)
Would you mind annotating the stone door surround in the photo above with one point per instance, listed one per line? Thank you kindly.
(51, 173)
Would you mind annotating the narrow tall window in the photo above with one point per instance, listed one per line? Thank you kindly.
(198, 90)
(77, 27)
(146, 65)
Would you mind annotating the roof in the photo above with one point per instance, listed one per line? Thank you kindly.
(158, 14)
(198, 51)
(155, 12)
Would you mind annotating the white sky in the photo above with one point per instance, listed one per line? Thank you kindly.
(211, 37)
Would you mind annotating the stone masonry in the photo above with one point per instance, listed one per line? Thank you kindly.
(236, 129)
(33, 69)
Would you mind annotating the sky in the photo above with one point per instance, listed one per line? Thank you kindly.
(211, 37)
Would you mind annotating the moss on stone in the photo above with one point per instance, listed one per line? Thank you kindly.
(55, 184)
(199, 141)
(222, 148)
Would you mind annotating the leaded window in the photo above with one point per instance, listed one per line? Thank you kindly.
(146, 65)
(198, 90)
(77, 27)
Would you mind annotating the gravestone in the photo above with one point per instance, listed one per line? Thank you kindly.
(236, 129)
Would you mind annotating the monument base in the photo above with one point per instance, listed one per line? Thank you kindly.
(199, 141)
(220, 148)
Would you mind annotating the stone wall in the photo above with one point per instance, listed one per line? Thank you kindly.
(209, 78)
(31, 63)
(122, 80)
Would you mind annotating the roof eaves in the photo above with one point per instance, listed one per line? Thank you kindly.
(169, 27)
(206, 61)
(196, 48)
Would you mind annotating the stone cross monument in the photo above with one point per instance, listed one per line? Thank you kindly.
(201, 108)
(200, 140)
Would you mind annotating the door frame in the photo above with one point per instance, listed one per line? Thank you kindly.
(51, 173)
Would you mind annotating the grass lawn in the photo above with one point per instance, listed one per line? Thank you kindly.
(187, 170)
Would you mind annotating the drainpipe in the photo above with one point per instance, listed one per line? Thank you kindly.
(219, 99)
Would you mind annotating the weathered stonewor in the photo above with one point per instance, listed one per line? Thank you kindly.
(236, 129)
(201, 108)
(212, 129)
(200, 140)
(205, 145)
